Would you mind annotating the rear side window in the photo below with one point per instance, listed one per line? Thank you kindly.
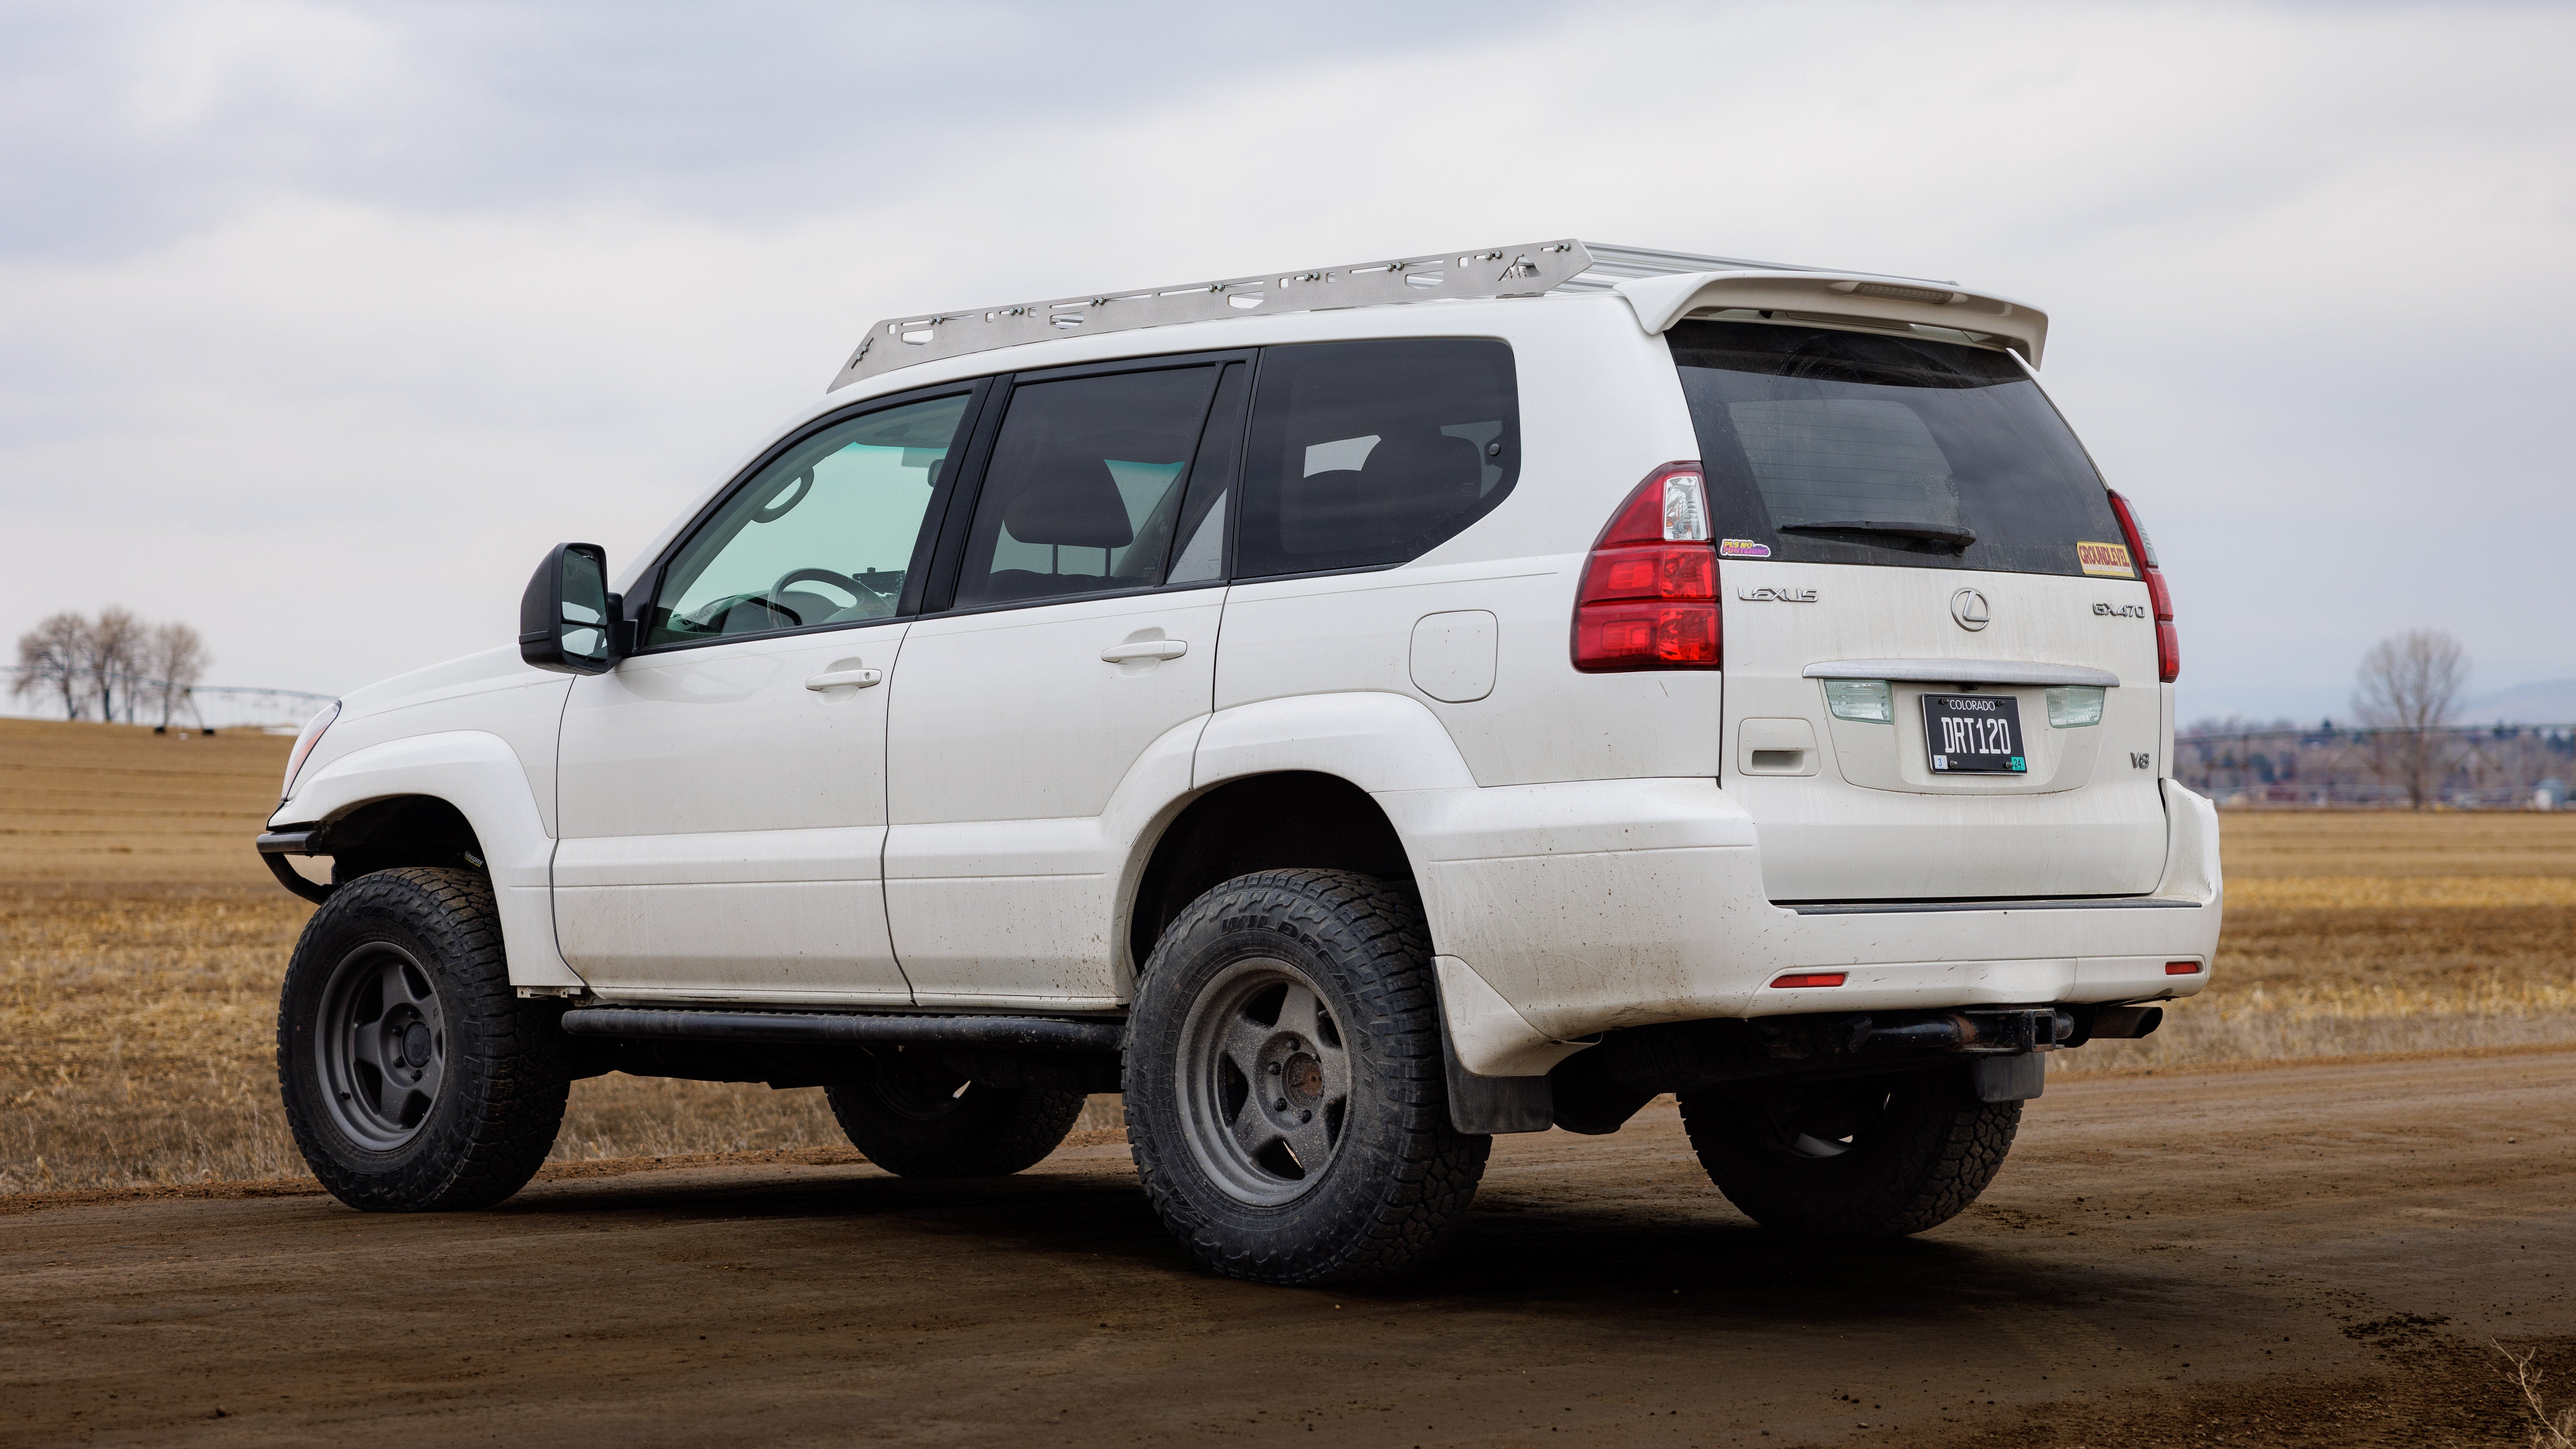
(1085, 487)
(1365, 454)
(1824, 446)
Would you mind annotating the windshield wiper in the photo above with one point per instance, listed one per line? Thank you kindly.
(1957, 538)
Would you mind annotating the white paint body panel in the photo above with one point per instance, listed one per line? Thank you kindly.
(479, 733)
(1870, 820)
(1011, 740)
(479, 773)
(723, 825)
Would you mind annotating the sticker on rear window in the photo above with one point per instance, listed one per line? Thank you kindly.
(1742, 548)
(2107, 560)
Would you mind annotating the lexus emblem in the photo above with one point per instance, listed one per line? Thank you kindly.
(1969, 608)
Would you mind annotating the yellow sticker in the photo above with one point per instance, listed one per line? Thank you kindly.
(2109, 560)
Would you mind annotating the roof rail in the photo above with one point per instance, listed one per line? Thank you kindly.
(1524, 270)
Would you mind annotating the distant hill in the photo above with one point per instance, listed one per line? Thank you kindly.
(2551, 701)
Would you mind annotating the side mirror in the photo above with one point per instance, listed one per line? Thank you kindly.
(568, 618)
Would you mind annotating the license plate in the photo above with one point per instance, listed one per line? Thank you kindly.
(1973, 734)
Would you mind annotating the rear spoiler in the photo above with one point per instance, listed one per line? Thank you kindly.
(1829, 297)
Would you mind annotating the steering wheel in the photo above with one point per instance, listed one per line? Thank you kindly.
(858, 593)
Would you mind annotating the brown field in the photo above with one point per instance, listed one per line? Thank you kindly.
(140, 945)
(140, 942)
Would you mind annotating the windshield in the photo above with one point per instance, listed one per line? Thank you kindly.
(1825, 446)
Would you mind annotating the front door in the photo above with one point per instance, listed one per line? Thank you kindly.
(722, 791)
(1036, 725)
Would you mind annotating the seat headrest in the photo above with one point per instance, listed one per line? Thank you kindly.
(1073, 502)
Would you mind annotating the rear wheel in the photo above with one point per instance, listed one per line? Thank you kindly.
(414, 1077)
(1285, 1094)
(914, 1117)
(1869, 1158)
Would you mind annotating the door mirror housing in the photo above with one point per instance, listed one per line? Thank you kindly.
(568, 620)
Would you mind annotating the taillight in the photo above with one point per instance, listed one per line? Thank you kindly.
(2168, 643)
(1649, 595)
(304, 744)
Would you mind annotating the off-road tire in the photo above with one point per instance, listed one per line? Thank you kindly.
(909, 1118)
(1913, 1163)
(502, 1078)
(1398, 1176)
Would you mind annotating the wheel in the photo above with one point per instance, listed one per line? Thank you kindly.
(1285, 1096)
(915, 1118)
(415, 1079)
(1876, 1157)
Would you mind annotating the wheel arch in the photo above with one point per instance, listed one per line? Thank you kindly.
(408, 800)
(1275, 820)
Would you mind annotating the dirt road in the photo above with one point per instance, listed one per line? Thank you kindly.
(2315, 1255)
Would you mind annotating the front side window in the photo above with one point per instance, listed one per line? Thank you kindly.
(1366, 454)
(1825, 446)
(822, 535)
(1085, 486)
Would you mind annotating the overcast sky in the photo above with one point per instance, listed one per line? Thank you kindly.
(320, 322)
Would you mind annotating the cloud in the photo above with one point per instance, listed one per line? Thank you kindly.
(323, 321)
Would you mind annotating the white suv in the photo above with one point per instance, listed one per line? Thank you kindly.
(1352, 713)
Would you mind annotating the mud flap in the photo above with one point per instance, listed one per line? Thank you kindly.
(2008, 1079)
(1481, 1105)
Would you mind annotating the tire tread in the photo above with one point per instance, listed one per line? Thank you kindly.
(508, 1065)
(1428, 1178)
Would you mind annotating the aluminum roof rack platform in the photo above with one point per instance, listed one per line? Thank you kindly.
(1527, 269)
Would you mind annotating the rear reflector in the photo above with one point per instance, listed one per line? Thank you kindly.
(1649, 596)
(2182, 968)
(1812, 978)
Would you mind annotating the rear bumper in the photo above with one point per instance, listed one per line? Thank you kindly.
(1594, 906)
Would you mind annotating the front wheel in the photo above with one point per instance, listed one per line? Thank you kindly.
(414, 1077)
(1874, 1157)
(1285, 1096)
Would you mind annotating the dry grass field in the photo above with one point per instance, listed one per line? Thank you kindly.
(140, 944)
(2354, 932)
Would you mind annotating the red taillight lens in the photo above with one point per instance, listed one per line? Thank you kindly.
(2168, 642)
(1811, 978)
(1654, 571)
(1649, 596)
(1645, 636)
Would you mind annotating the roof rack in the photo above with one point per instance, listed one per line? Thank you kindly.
(1525, 270)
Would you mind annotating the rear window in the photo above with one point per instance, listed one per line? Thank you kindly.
(1824, 446)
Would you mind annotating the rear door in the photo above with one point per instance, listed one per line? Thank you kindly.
(1078, 655)
(1941, 673)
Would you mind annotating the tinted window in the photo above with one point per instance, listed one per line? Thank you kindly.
(822, 535)
(1849, 447)
(1371, 453)
(1085, 485)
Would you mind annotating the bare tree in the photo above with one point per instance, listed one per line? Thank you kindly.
(2409, 685)
(115, 646)
(53, 658)
(175, 658)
